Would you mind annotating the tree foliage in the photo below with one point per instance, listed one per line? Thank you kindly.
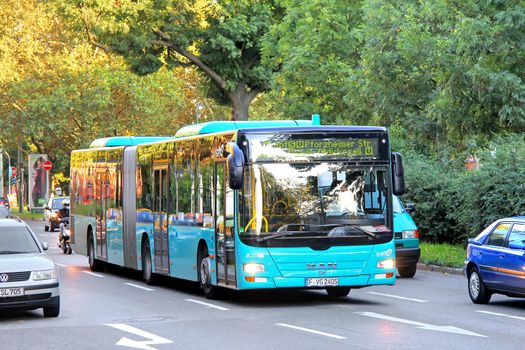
(222, 38)
(449, 71)
(313, 50)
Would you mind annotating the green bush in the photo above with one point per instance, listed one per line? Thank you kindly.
(453, 203)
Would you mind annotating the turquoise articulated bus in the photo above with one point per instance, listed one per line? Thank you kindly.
(242, 205)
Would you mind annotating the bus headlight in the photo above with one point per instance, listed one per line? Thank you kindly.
(411, 234)
(253, 268)
(386, 264)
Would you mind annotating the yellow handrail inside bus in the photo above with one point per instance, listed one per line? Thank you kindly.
(251, 221)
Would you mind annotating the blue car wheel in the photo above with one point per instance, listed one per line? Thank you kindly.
(479, 294)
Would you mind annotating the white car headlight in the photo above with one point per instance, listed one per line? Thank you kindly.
(411, 234)
(44, 275)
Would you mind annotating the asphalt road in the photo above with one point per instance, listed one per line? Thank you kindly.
(114, 309)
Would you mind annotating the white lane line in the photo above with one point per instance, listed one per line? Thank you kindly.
(502, 315)
(207, 304)
(310, 330)
(153, 339)
(93, 274)
(421, 325)
(398, 297)
(139, 287)
(61, 265)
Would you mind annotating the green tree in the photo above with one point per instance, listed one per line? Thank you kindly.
(314, 49)
(448, 71)
(222, 38)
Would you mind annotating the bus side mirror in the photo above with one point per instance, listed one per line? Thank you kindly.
(398, 174)
(234, 165)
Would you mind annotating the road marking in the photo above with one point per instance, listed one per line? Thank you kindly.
(310, 330)
(61, 265)
(398, 297)
(207, 304)
(421, 325)
(503, 315)
(144, 344)
(93, 274)
(140, 287)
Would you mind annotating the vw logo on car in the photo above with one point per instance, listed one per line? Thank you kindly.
(4, 277)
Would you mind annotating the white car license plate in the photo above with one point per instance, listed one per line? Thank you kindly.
(321, 282)
(11, 292)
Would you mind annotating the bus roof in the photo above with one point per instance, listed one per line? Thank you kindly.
(117, 141)
(219, 126)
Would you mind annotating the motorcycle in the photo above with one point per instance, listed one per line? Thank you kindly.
(64, 236)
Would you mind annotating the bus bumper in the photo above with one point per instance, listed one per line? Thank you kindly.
(300, 282)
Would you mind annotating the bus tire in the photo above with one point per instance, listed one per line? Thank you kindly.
(94, 264)
(407, 272)
(338, 292)
(147, 266)
(204, 274)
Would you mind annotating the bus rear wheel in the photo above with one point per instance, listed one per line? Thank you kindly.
(94, 264)
(210, 291)
(147, 267)
(338, 292)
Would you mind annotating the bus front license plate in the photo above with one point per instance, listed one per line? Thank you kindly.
(11, 292)
(321, 282)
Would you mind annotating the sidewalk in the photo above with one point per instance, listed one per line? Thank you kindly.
(442, 269)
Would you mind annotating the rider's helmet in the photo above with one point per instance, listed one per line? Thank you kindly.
(65, 203)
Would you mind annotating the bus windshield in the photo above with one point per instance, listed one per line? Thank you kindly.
(283, 203)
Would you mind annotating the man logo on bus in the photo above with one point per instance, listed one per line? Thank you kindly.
(321, 266)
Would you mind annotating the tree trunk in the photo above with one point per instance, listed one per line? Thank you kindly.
(241, 99)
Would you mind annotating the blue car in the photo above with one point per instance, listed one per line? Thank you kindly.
(496, 260)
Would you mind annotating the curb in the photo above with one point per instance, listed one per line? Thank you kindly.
(442, 269)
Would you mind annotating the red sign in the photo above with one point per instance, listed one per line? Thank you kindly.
(47, 165)
(13, 171)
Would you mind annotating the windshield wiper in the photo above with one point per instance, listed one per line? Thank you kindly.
(275, 235)
(371, 234)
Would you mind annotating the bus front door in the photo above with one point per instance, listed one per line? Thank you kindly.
(224, 229)
(101, 206)
(160, 218)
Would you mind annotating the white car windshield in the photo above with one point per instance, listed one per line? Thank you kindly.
(17, 240)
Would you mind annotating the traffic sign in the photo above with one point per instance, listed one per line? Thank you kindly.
(47, 165)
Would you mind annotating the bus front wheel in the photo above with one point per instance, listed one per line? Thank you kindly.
(209, 290)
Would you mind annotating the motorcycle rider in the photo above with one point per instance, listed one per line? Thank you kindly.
(63, 213)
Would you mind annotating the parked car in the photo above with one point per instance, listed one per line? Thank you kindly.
(4, 212)
(496, 260)
(406, 238)
(4, 202)
(51, 213)
(28, 277)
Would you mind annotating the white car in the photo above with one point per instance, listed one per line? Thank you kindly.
(28, 277)
(51, 215)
